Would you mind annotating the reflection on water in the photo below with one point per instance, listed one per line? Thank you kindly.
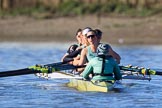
(30, 91)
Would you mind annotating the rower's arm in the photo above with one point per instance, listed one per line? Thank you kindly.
(87, 71)
(62, 59)
(82, 60)
(117, 73)
(114, 55)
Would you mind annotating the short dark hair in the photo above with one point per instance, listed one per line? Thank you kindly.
(79, 30)
(98, 33)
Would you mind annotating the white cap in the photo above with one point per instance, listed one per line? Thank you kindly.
(85, 31)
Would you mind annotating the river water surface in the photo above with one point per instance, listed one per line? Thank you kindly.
(29, 91)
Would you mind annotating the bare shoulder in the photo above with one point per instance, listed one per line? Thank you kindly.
(84, 51)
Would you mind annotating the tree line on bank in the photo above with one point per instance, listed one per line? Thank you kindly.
(81, 7)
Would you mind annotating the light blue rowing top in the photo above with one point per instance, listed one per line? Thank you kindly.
(90, 54)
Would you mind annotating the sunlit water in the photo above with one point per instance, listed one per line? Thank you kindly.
(29, 91)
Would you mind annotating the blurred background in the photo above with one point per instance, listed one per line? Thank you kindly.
(122, 21)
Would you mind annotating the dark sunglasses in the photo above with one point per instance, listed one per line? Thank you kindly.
(92, 36)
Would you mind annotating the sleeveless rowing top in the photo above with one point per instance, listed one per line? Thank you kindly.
(90, 54)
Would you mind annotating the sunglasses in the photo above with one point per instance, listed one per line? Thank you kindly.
(92, 36)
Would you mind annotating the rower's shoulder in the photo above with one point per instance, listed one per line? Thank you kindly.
(85, 49)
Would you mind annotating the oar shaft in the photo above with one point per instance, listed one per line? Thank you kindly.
(158, 73)
(29, 71)
(65, 67)
(18, 72)
(35, 69)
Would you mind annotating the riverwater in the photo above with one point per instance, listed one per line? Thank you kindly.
(29, 91)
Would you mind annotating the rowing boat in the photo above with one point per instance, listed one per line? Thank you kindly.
(57, 70)
(77, 82)
(93, 86)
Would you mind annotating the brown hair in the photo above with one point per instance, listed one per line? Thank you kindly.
(98, 33)
(79, 30)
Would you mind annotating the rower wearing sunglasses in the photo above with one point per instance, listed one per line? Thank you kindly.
(103, 67)
(94, 37)
(89, 52)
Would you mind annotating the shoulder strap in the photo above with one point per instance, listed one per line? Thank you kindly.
(103, 65)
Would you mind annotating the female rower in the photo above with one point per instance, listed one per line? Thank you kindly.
(103, 67)
(73, 53)
(74, 49)
(94, 37)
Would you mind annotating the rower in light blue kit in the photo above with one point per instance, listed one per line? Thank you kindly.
(103, 66)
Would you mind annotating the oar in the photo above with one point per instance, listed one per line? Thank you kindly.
(48, 68)
(18, 72)
(140, 70)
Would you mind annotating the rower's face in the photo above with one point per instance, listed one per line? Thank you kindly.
(84, 39)
(79, 37)
(91, 37)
